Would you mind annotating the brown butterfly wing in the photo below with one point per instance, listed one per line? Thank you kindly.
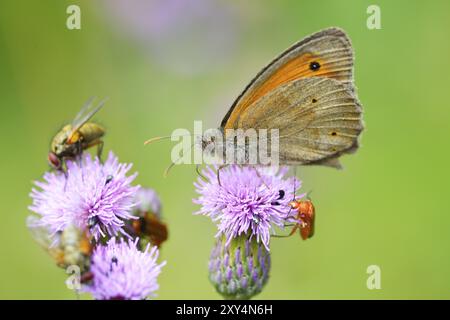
(327, 53)
(318, 120)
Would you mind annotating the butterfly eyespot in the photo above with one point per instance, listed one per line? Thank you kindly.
(314, 100)
(334, 133)
(314, 66)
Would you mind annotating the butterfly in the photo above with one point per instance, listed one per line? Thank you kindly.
(307, 94)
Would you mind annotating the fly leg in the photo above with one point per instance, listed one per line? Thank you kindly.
(78, 152)
(65, 180)
(99, 143)
(100, 150)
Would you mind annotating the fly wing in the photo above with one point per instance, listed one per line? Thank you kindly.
(84, 110)
(86, 113)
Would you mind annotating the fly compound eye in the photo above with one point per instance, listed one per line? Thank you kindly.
(54, 161)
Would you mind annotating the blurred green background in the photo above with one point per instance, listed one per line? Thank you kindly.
(164, 64)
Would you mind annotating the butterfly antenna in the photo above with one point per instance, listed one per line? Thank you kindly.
(156, 139)
(197, 168)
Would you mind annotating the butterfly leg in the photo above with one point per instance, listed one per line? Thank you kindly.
(260, 177)
(65, 180)
(218, 172)
(295, 188)
(197, 168)
(293, 192)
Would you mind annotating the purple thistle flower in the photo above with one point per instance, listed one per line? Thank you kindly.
(121, 271)
(248, 200)
(205, 31)
(148, 226)
(147, 200)
(90, 195)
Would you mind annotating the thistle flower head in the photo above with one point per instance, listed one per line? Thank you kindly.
(121, 271)
(248, 200)
(89, 195)
(147, 200)
(240, 269)
(148, 226)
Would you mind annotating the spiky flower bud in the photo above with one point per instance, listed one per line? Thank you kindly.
(240, 269)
